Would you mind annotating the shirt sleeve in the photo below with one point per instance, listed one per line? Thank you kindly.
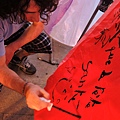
(2, 47)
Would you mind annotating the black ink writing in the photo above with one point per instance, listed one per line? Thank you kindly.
(85, 73)
(97, 93)
(103, 74)
(108, 62)
(92, 103)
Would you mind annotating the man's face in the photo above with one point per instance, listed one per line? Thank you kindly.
(32, 13)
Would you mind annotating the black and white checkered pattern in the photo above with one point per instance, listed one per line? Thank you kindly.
(40, 45)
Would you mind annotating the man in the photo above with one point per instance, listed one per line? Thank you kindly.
(13, 15)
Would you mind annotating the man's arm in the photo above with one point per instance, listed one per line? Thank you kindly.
(30, 34)
(9, 78)
(32, 92)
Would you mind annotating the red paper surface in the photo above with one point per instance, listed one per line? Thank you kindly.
(86, 85)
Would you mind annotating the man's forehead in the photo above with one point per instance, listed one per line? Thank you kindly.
(33, 5)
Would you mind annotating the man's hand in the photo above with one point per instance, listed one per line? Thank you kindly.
(33, 94)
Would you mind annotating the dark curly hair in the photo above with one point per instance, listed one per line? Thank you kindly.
(11, 9)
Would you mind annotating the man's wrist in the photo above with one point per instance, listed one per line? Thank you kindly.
(24, 87)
